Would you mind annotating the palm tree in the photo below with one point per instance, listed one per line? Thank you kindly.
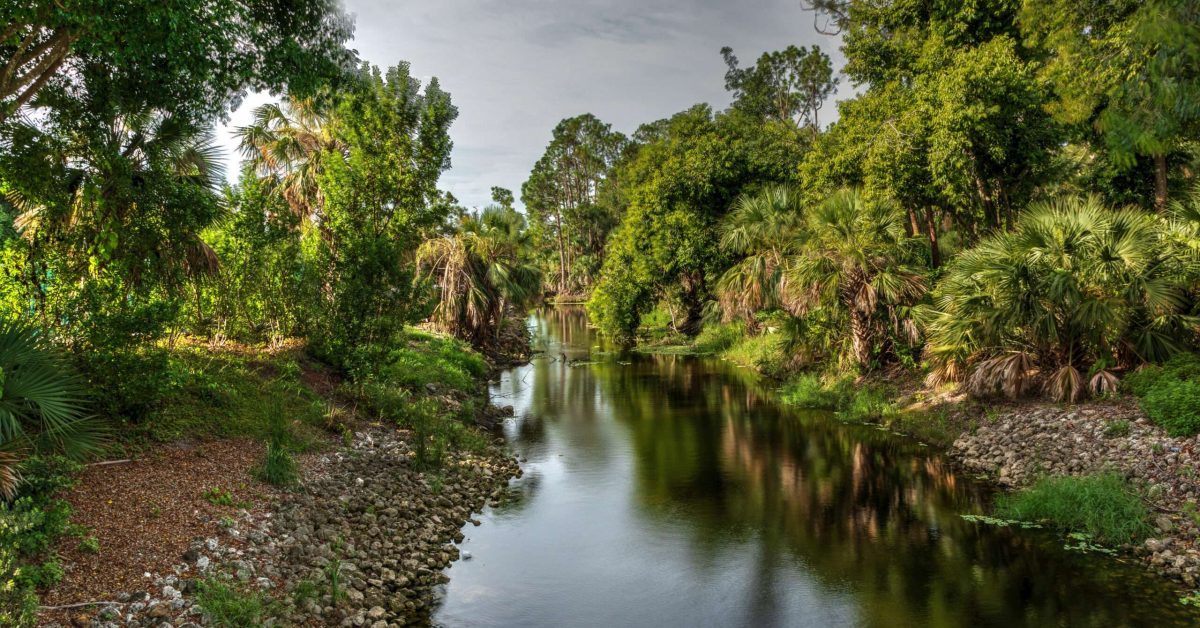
(136, 196)
(481, 271)
(41, 404)
(1075, 287)
(857, 256)
(765, 229)
(288, 142)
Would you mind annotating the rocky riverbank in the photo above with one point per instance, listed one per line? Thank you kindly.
(362, 542)
(1018, 445)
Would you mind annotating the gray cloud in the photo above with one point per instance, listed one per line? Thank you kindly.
(517, 67)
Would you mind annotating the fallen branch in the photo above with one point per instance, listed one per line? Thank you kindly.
(108, 462)
(79, 604)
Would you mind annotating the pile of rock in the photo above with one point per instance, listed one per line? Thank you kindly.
(366, 540)
(1017, 447)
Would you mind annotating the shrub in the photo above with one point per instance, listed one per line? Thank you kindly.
(1101, 505)
(1175, 405)
(810, 390)
(719, 337)
(762, 353)
(1181, 366)
(1051, 296)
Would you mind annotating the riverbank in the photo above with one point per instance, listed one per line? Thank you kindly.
(185, 532)
(1010, 444)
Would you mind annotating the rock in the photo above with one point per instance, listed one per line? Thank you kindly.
(376, 612)
(1164, 524)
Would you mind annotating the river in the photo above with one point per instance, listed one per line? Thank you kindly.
(673, 491)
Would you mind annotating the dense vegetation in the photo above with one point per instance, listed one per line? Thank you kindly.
(1009, 202)
(143, 299)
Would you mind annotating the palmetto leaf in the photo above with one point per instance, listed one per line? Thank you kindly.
(42, 404)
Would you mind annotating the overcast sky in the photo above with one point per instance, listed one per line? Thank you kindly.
(514, 68)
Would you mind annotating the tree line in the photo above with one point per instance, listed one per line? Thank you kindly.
(1009, 198)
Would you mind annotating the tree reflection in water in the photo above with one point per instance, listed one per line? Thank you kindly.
(717, 468)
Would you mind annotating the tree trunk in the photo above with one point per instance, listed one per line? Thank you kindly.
(562, 253)
(1160, 183)
(860, 337)
(935, 256)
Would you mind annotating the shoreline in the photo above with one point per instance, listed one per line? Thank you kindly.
(362, 539)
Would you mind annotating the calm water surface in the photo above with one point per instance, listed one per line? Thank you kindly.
(671, 491)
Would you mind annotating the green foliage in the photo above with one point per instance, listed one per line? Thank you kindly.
(1117, 428)
(1102, 506)
(1076, 285)
(679, 183)
(719, 337)
(218, 496)
(278, 467)
(1180, 367)
(429, 359)
(223, 604)
(1175, 405)
(811, 390)
(42, 407)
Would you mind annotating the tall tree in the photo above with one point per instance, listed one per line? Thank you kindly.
(1129, 69)
(564, 193)
(788, 85)
(195, 57)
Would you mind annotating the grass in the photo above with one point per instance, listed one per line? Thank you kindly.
(278, 467)
(227, 606)
(231, 392)
(1103, 506)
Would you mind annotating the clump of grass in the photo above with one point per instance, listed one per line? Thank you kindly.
(1101, 505)
(870, 404)
(1117, 428)
(763, 353)
(278, 467)
(224, 605)
(427, 358)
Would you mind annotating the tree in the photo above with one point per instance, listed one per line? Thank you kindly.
(380, 195)
(481, 271)
(1076, 288)
(288, 142)
(563, 196)
(111, 222)
(856, 256)
(679, 185)
(194, 57)
(765, 229)
(1130, 70)
(788, 85)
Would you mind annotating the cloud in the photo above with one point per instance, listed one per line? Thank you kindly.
(516, 67)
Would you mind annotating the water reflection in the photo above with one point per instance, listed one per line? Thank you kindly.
(669, 491)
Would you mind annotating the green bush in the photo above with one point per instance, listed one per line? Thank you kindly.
(719, 337)
(1170, 393)
(1175, 405)
(810, 390)
(1101, 505)
(1181, 366)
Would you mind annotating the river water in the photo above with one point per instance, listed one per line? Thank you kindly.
(673, 491)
